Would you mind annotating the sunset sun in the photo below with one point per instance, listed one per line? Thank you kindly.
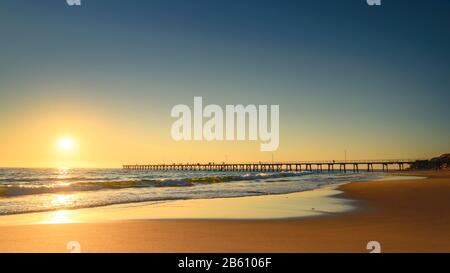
(65, 144)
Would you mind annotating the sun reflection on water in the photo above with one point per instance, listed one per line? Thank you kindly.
(62, 200)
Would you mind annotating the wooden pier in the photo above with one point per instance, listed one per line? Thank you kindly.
(318, 166)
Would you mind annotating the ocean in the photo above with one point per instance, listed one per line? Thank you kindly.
(35, 190)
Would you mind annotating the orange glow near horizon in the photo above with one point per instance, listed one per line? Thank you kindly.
(97, 137)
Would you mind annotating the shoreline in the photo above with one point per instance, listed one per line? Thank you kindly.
(283, 206)
(308, 203)
(403, 214)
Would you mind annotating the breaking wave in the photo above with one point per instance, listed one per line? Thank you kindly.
(89, 184)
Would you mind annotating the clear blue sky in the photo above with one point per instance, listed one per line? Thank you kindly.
(340, 70)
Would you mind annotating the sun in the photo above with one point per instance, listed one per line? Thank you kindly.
(65, 144)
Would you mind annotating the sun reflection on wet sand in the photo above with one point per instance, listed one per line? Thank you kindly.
(58, 217)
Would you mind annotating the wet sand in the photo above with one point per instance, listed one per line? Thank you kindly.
(405, 215)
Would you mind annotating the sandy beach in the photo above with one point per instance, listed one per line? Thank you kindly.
(404, 215)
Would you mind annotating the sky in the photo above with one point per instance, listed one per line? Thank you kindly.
(369, 80)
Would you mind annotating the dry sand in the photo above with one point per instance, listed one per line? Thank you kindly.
(403, 215)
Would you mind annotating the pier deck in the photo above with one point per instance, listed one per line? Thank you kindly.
(320, 166)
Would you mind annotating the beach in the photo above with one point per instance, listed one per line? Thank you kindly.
(403, 215)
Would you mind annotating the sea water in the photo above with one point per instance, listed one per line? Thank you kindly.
(34, 190)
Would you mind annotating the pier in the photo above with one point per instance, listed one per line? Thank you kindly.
(318, 166)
